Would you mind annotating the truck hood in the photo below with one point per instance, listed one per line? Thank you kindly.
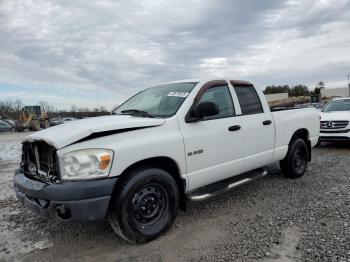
(332, 116)
(68, 133)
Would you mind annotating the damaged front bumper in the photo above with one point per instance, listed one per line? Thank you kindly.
(65, 201)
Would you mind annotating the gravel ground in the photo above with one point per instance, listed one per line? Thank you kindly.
(274, 219)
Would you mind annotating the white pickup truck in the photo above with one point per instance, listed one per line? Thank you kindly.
(185, 140)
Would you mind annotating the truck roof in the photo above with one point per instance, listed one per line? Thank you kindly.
(341, 98)
(235, 81)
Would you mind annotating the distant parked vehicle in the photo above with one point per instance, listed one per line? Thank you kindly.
(68, 119)
(335, 120)
(318, 105)
(10, 122)
(4, 126)
(56, 121)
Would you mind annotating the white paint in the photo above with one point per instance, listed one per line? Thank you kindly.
(65, 134)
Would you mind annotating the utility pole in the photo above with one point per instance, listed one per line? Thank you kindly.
(97, 89)
(349, 83)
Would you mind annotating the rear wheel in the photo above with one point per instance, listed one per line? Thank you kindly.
(35, 125)
(45, 124)
(145, 206)
(295, 163)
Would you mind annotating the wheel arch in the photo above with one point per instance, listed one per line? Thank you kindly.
(162, 162)
(304, 134)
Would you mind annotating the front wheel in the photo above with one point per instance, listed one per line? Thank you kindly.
(295, 163)
(318, 142)
(145, 205)
(35, 125)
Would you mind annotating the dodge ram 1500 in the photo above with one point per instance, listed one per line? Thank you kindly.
(178, 141)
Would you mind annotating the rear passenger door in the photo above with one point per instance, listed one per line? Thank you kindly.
(258, 126)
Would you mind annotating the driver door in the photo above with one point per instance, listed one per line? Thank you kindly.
(213, 145)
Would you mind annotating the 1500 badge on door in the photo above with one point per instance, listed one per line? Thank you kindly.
(200, 151)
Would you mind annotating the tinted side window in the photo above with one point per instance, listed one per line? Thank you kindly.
(249, 100)
(221, 96)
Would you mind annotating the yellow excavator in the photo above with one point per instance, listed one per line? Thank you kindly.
(32, 118)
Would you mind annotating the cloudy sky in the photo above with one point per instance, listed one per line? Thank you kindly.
(64, 51)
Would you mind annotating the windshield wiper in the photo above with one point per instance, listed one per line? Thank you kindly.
(137, 113)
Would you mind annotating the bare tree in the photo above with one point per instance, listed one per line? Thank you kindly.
(10, 108)
(74, 108)
(18, 105)
(83, 109)
(47, 107)
(103, 109)
(7, 106)
(321, 85)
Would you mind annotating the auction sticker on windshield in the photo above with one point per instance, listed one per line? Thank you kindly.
(179, 94)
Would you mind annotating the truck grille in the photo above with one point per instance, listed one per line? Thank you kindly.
(39, 161)
(334, 124)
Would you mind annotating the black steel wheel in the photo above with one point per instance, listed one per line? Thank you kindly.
(145, 205)
(295, 163)
(149, 205)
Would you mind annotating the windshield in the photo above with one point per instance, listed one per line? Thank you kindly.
(337, 105)
(157, 101)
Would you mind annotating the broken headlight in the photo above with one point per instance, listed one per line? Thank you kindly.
(85, 164)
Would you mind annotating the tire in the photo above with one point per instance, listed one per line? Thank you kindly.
(44, 124)
(145, 205)
(35, 125)
(295, 162)
(318, 142)
(19, 129)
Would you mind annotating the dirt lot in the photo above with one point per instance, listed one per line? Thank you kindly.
(274, 219)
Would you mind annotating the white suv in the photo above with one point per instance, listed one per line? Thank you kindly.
(335, 119)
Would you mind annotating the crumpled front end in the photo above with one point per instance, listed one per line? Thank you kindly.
(38, 187)
(39, 161)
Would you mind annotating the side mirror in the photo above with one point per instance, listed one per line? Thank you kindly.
(205, 109)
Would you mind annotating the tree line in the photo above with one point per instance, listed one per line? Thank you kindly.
(297, 90)
(13, 108)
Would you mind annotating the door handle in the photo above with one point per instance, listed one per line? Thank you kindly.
(267, 122)
(234, 128)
